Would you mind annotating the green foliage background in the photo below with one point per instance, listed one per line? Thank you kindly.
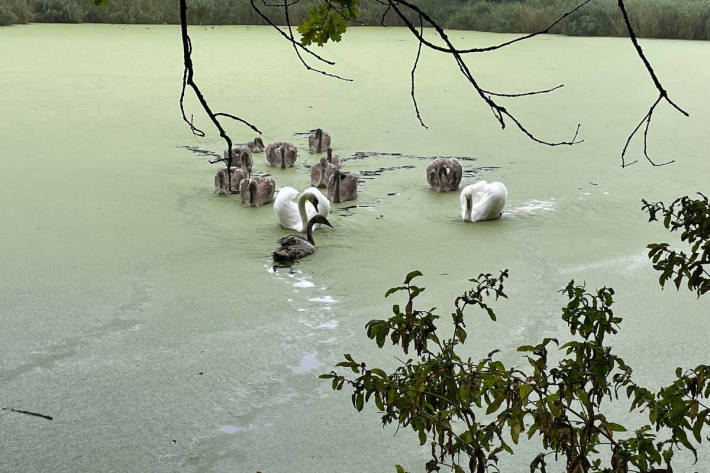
(686, 19)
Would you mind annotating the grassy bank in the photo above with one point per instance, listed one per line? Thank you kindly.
(687, 19)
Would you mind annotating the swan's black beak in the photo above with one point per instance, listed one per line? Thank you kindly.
(315, 203)
(328, 223)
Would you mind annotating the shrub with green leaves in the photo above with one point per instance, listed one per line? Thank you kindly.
(471, 412)
(692, 218)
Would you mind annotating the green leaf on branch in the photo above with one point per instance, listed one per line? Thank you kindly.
(328, 21)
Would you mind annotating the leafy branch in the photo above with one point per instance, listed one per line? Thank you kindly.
(691, 217)
(473, 412)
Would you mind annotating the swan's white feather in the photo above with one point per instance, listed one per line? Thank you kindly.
(487, 201)
(286, 209)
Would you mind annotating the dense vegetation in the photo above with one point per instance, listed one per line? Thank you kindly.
(473, 412)
(687, 19)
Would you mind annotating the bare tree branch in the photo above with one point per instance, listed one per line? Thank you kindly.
(451, 49)
(188, 80)
(404, 9)
(662, 95)
(414, 70)
(498, 111)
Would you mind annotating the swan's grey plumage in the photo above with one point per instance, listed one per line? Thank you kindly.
(321, 172)
(256, 145)
(237, 160)
(281, 154)
(221, 182)
(295, 215)
(257, 191)
(241, 168)
(483, 201)
(444, 174)
(342, 186)
(318, 141)
(294, 247)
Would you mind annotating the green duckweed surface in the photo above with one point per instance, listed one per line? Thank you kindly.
(140, 310)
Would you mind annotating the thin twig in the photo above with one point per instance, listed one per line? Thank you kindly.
(524, 94)
(290, 39)
(497, 110)
(662, 95)
(414, 70)
(450, 49)
(29, 413)
(295, 48)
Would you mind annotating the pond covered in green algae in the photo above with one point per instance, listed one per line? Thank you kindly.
(141, 311)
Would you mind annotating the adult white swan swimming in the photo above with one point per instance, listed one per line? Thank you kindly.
(483, 201)
(295, 215)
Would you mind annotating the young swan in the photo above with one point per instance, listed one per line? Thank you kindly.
(444, 174)
(221, 182)
(241, 168)
(333, 159)
(483, 201)
(242, 172)
(342, 186)
(236, 155)
(294, 247)
(256, 146)
(318, 140)
(281, 154)
(321, 172)
(257, 191)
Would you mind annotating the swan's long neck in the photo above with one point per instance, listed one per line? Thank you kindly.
(252, 193)
(321, 179)
(302, 209)
(309, 232)
(336, 194)
(245, 164)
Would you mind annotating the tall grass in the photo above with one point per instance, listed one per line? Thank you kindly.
(684, 19)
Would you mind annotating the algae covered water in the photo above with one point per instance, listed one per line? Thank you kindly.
(141, 311)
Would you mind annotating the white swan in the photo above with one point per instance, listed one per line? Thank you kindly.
(295, 216)
(483, 201)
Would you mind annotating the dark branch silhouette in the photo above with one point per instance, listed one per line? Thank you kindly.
(289, 38)
(662, 95)
(499, 112)
(404, 10)
(188, 80)
(524, 94)
(414, 72)
(29, 413)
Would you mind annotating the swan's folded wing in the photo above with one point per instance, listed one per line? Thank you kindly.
(287, 210)
(289, 241)
(488, 202)
(265, 191)
(292, 247)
